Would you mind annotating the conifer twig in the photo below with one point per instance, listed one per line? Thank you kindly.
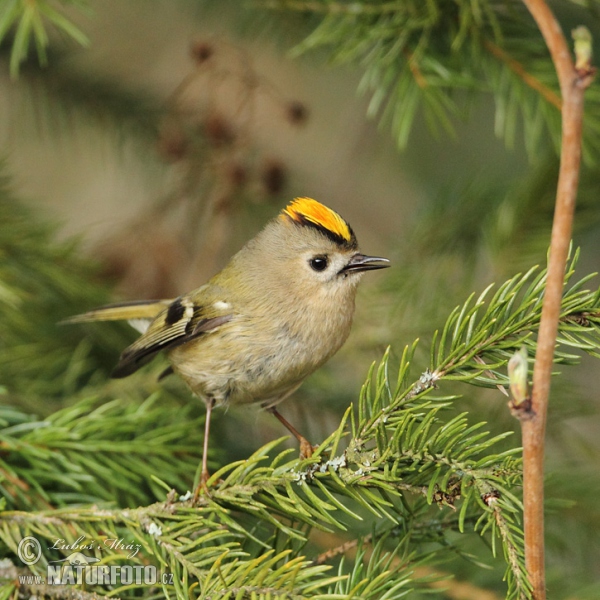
(452, 588)
(516, 67)
(573, 83)
(35, 589)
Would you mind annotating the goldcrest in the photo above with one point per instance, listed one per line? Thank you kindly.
(279, 310)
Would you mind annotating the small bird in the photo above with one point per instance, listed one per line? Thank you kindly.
(279, 310)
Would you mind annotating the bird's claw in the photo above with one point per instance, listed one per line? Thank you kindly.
(202, 487)
(306, 448)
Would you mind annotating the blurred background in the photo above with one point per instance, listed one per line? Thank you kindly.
(169, 140)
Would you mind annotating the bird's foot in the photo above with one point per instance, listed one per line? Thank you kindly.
(202, 487)
(306, 448)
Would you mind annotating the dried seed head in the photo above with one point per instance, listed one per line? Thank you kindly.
(201, 52)
(218, 131)
(274, 177)
(223, 205)
(172, 145)
(296, 112)
(238, 174)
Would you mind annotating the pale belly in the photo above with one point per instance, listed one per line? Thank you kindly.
(233, 367)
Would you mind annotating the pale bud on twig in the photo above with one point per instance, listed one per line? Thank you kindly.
(583, 47)
(517, 376)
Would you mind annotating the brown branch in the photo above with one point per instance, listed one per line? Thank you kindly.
(516, 67)
(572, 85)
(414, 69)
(345, 548)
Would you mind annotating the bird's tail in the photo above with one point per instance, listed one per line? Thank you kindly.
(138, 311)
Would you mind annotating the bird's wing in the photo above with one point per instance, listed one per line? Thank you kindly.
(139, 313)
(181, 321)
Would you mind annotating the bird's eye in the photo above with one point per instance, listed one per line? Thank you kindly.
(319, 263)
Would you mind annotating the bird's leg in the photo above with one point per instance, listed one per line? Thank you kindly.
(306, 448)
(204, 476)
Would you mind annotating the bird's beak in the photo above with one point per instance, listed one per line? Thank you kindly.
(360, 262)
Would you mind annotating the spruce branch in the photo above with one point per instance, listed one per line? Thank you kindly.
(433, 577)
(30, 21)
(73, 455)
(533, 82)
(400, 454)
(189, 543)
(405, 453)
(60, 95)
(41, 283)
(20, 582)
(417, 55)
(512, 542)
(316, 492)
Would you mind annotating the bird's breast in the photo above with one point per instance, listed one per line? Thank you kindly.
(260, 357)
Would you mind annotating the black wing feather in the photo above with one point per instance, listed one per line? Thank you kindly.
(172, 328)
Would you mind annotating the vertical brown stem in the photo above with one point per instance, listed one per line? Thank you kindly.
(572, 84)
(534, 429)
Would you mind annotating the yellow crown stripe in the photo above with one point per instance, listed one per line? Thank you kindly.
(302, 210)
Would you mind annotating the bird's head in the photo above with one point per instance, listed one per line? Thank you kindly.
(311, 251)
